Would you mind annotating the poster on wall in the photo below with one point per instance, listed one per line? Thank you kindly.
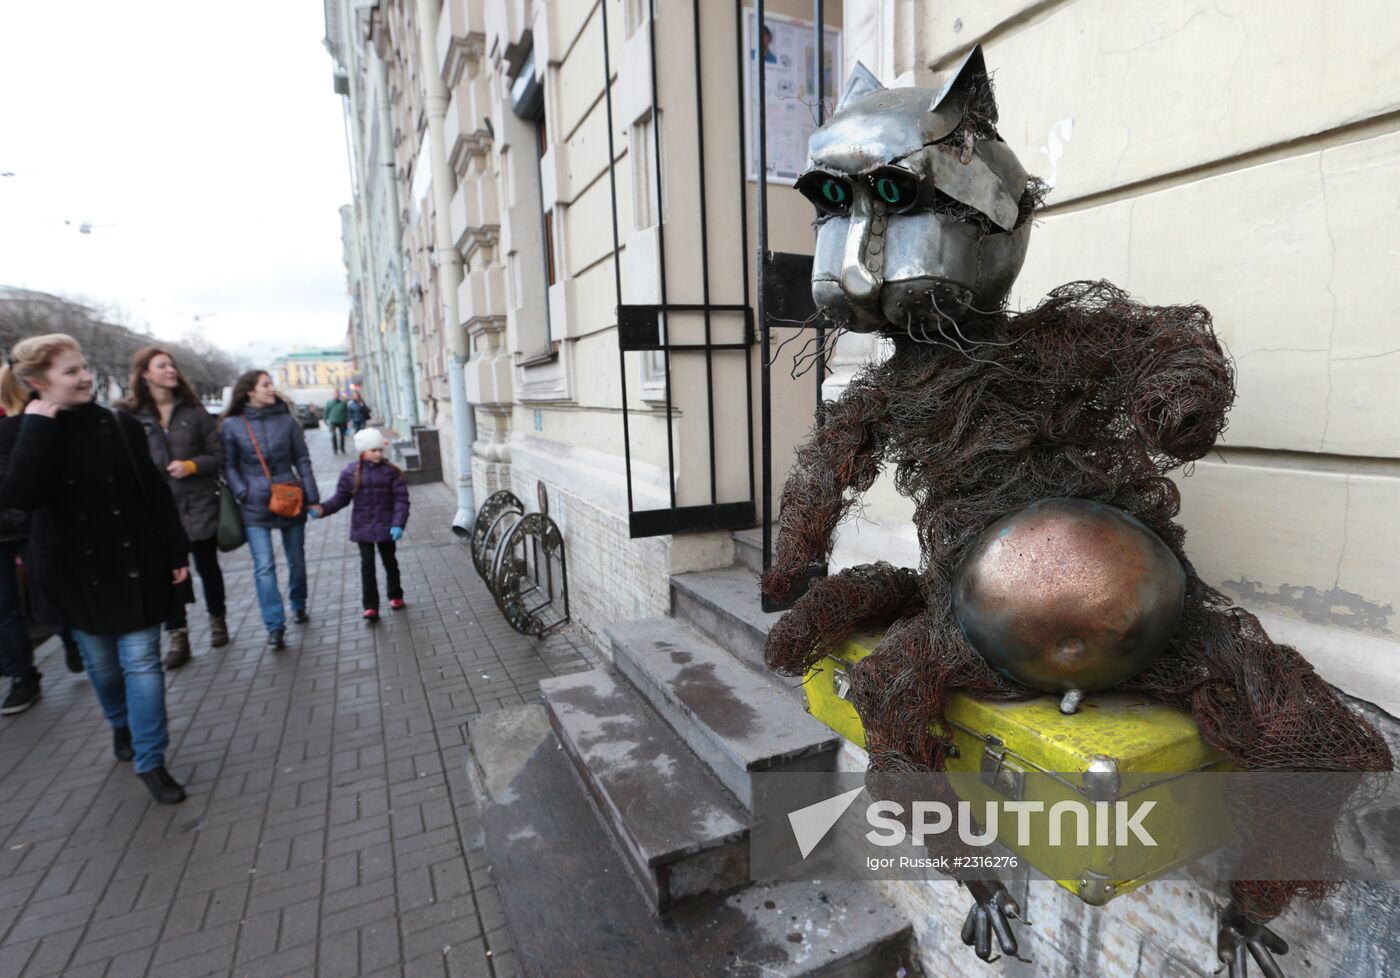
(788, 46)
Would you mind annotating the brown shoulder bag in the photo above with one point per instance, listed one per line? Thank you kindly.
(287, 497)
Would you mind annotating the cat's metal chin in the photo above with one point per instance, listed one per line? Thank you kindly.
(924, 298)
(837, 307)
(899, 303)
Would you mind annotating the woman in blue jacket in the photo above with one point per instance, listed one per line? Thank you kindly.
(258, 421)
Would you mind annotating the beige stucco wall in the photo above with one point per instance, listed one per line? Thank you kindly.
(1243, 155)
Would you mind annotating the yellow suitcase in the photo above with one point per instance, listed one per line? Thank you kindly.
(1118, 747)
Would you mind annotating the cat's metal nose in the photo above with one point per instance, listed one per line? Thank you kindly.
(863, 265)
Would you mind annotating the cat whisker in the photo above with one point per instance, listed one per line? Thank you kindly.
(797, 322)
(782, 346)
(954, 323)
(823, 350)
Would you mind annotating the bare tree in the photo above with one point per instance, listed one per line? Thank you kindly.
(108, 346)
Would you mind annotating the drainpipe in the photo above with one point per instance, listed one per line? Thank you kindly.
(449, 263)
(406, 379)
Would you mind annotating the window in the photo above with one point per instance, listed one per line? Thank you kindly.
(528, 105)
(635, 14)
(549, 264)
(641, 147)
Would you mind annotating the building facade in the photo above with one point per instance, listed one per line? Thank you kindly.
(313, 375)
(1228, 153)
(391, 370)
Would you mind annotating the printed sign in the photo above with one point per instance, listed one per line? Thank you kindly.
(788, 47)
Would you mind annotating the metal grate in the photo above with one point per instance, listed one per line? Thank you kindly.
(648, 327)
(520, 556)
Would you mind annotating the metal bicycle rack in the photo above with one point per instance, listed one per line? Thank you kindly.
(520, 557)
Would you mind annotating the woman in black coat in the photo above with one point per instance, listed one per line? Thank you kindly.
(105, 547)
(184, 444)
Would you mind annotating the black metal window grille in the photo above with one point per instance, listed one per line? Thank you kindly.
(649, 327)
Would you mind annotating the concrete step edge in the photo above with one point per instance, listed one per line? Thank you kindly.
(593, 708)
(638, 662)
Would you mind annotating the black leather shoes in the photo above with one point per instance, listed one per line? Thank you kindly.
(276, 639)
(121, 743)
(300, 616)
(163, 788)
(24, 693)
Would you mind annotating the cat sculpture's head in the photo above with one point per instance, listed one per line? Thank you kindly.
(923, 211)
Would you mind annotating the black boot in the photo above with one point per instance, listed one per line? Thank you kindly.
(179, 653)
(276, 640)
(72, 658)
(24, 693)
(163, 788)
(121, 743)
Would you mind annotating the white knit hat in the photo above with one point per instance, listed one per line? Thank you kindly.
(369, 439)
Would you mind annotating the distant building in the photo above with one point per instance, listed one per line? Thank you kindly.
(309, 375)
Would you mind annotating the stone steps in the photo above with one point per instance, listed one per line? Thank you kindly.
(682, 832)
(573, 913)
(748, 549)
(724, 604)
(421, 457)
(736, 720)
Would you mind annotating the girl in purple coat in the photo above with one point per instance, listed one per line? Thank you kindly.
(380, 494)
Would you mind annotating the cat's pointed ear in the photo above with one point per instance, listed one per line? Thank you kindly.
(861, 82)
(965, 82)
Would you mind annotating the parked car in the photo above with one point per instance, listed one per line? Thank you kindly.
(307, 415)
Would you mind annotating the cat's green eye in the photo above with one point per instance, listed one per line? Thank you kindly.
(831, 193)
(898, 189)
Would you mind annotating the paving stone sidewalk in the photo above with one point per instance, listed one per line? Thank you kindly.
(331, 828)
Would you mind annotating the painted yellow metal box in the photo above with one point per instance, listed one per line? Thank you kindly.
(1118, 747)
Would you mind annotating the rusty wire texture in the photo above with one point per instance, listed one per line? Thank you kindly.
(1091, 395)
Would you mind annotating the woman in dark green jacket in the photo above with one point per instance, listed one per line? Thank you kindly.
(184, 443)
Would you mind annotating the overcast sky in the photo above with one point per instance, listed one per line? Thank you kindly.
(202, 142)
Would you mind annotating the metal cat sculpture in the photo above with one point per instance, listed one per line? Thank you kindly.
(1087, 400)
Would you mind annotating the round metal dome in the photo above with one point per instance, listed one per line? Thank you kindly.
(1069, 595)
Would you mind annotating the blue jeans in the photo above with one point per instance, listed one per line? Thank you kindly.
(130, 684)
(265, 571)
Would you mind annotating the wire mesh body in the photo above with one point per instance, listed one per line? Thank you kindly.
(1089, 395)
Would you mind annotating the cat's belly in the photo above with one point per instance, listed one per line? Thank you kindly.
(1069, 594)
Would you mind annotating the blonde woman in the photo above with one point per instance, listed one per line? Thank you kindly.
(106, 546)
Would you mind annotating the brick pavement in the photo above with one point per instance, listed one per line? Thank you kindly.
(331, 827)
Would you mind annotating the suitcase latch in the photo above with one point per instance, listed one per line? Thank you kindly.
(841, 682)
(1000, 773)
